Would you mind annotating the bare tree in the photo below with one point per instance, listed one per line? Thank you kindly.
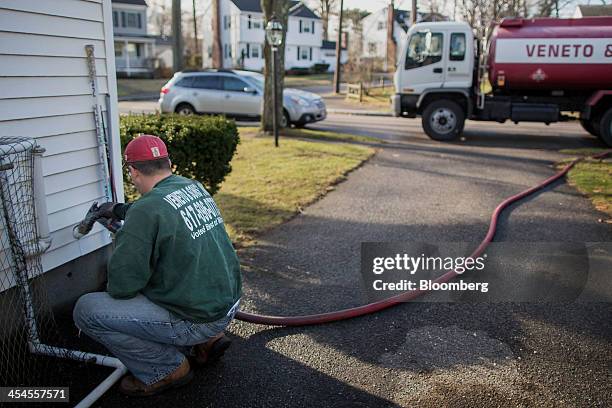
(481, 14)
(550, 8)
(325, 9)
(280, 9)
(160, 17)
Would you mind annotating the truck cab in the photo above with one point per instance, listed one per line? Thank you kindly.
(532, 70)
(436, 68)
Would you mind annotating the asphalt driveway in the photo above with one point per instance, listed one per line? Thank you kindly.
(419, 354)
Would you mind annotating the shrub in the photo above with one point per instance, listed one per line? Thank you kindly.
(319, 68)
(200, 147)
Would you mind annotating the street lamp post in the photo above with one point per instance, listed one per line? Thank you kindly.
(274, 35)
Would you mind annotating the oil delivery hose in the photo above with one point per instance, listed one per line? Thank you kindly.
(405, 297)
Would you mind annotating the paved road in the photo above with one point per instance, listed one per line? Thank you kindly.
(420, 354)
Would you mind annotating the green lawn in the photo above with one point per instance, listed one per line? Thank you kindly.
(269, 185)
(299, 81)
(127, 87)
(592, 178)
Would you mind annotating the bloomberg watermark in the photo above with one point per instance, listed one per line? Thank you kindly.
(504, 272)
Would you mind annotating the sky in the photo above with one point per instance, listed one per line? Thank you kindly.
(373, 5)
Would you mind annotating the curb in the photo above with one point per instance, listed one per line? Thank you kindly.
(359, 112)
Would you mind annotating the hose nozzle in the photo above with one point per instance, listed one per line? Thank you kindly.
(93, 214)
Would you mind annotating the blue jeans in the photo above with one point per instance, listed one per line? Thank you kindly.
(150, 340)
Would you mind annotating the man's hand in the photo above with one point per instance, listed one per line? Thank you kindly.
(105, 210)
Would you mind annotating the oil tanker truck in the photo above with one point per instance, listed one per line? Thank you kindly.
(531, 70)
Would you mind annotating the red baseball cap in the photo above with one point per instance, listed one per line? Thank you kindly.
(145, 148)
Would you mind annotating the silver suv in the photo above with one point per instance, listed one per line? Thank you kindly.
(235, 93)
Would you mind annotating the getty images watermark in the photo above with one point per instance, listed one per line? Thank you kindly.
(505, 272)
(413, 265)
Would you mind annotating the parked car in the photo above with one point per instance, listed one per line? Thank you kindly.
(235, 93)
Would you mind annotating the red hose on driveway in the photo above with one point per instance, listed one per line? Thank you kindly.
(405, 297)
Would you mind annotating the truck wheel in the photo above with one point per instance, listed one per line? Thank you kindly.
(591, 126)
(443, 120)
(605, 127)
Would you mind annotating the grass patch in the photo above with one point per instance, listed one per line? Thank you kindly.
(269, 185)
(330, 136)
(592, 178)
(299, 81)
(378, 97)
(127, 87)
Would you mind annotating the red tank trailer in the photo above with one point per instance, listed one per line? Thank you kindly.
(549, 53)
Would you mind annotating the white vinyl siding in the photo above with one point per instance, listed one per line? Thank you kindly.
(46, 95)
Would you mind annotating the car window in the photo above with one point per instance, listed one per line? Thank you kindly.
(457, 47)
(207, 82)
(424, 48)
(234, 84)
(186, 82)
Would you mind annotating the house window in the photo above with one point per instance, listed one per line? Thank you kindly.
(227, 22)
(306, 27)
(303, 53)
(133, 20)
(134, 50)
(372, 48)
(227, 50)
(255, 50)
(118, 49)
(381, 25)
(257, 24)
(115, 19)
(209, 51)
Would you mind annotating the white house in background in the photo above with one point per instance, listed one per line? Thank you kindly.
(328, 55)
(243, 35)
(374, 30)
(134, 49)
(594, 10)
(46, 95)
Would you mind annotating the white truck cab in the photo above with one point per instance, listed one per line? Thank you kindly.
(437, 59)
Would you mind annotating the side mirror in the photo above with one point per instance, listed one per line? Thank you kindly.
(249, 90)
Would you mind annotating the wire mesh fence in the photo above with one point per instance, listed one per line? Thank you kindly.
(25, 315)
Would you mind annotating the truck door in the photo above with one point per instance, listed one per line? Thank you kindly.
(424, 63)
(459, 64)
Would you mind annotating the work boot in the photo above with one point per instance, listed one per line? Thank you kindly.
(132, 386)
(212, 350)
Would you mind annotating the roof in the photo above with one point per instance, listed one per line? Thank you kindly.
(403, 17)
(134, 2)
(248, 5)
(596, 10)
(299, 9)
(296, 8)
(329, 45)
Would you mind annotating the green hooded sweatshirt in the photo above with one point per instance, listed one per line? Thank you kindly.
(173, 248)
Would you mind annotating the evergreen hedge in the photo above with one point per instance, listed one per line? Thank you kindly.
(200, 147)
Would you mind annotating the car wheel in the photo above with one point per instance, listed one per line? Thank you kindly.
(591, 126)
(605, 128)
(443, 120)
(284, 120)
(184, 109)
